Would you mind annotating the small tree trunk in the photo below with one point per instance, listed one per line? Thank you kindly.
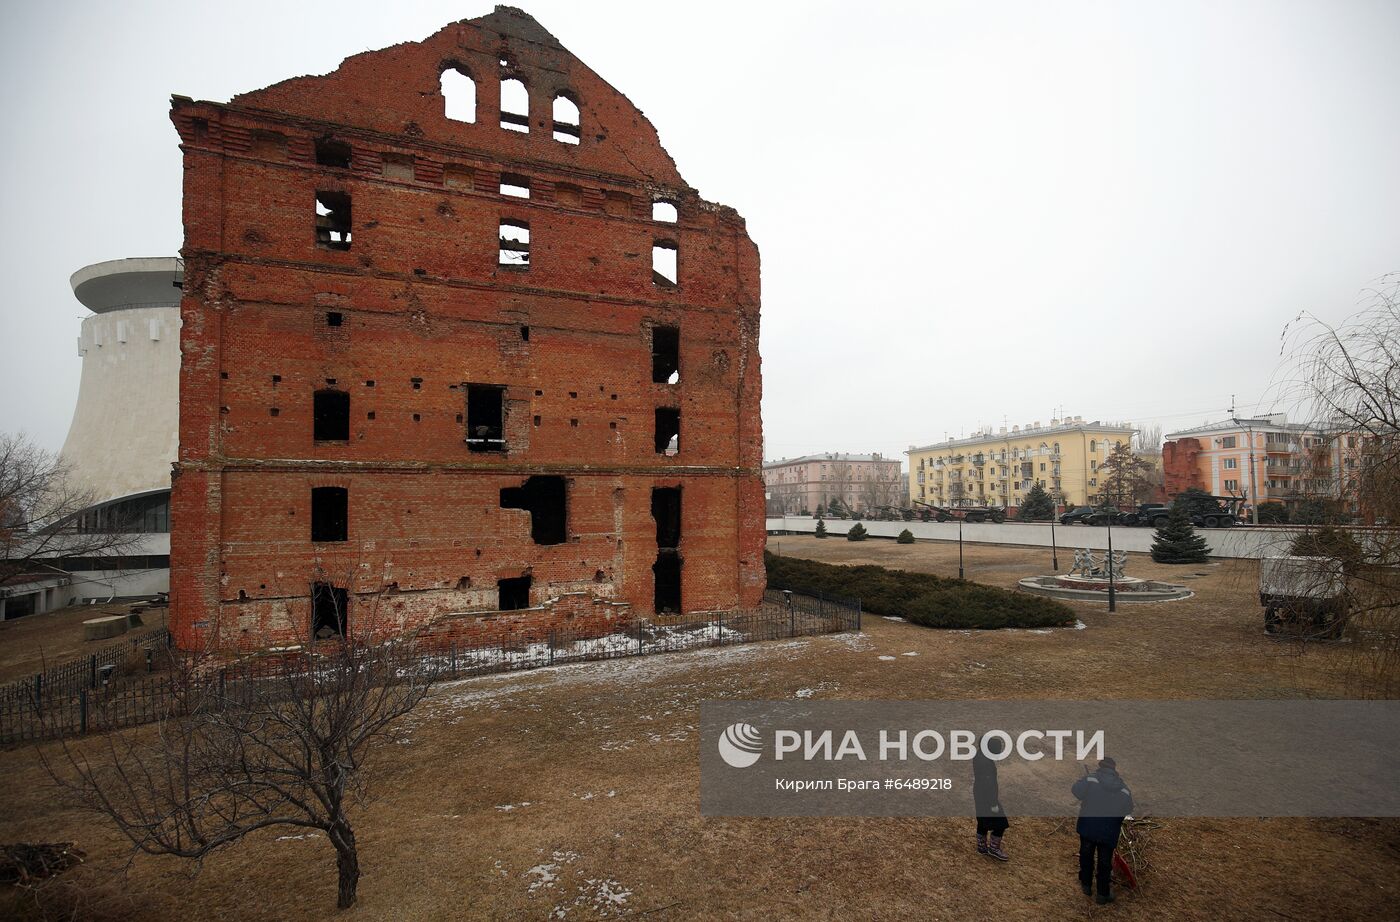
(347, 863)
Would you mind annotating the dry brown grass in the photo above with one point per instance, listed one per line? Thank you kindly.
(599, 767)
(28, 644)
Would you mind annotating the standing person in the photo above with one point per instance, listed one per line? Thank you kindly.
(986, 797)
(1104, 802)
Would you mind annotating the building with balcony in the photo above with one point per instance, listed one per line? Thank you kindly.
(998, 468)
(1264, 459)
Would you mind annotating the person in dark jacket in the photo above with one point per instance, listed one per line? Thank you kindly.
(1104, 803)
(986, 797)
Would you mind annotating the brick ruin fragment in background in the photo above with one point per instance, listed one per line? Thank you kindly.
(457, 338)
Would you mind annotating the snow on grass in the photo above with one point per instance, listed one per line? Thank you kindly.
(910, 653)
(470, 693)
(894, 618)
(886, 657)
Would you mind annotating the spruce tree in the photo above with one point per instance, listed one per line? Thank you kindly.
(821, 529)
(905, 537)
(857, 533)
(1177, 541)
(1037, 505)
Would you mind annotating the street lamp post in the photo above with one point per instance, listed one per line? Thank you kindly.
(1112, 593)
(960, 554)
(1054, 549)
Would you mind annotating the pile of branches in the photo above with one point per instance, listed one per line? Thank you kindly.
(1134, 844)
(22, 864)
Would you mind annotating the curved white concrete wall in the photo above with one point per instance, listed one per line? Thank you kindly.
(125, 430)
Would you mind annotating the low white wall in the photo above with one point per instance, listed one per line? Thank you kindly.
(104, 584)
(1241, 541)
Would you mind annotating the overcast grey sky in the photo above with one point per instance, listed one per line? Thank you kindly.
(968, 211)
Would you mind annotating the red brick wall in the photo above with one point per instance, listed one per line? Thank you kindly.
(422, 298)
(1179, 468)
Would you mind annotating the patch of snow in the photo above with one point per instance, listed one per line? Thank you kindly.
(804, 692)
(893, 618)
(910, 653)
(1079, 625)
(884, 657)
(545, 876)
(506, 808)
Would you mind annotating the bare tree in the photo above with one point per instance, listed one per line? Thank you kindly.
(280, 740)
(1350, 373)
(838, 481)
(42, 512)
(880, 486)
(1148, 439)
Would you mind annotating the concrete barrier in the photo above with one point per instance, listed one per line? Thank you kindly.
(1243, 541)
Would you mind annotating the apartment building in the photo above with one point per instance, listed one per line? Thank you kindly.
(861, 482)
(999, 468)
(1264, 459)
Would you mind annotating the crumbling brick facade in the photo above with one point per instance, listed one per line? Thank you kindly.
(1180, 470)
(429, 364)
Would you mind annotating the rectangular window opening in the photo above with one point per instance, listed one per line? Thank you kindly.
(329, 611)
(664, 257)
(515, 185)
(666, 510)
(546, 499)
(513, 593)
(331, 416)
(330, 514)
(515, 244)
(665, 355)
(668, 430)
(667, 572)
(486, 411)
(333, 220)
(334, 318)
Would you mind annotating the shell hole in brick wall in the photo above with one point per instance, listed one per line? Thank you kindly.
(525, 334)
(334, 318)
(464, 582)
(274, 411)
(537, 422)
(515, 244)
(515, 185)
(276, 379)
(664, 257)
(417, 383)
(458, 94)
(545, 498)
(566, 120)
(330, 152)
(515, 105)
(573, 423)
(664, 211)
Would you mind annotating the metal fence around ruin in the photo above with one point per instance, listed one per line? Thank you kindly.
(134, 652)
(85, 706)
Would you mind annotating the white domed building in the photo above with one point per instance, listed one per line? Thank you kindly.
(125, 429)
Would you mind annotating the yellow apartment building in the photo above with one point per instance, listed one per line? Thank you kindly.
(997, 468)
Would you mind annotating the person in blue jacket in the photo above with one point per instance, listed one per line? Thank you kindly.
(1104, 803)
(986, 798)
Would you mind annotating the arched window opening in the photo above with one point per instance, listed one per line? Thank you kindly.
(664, 212)
(566, 120)
(664, 259)
(515, 106)
(1093, 445)
(458, 95)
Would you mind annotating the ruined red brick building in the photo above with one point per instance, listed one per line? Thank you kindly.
(457, 337)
